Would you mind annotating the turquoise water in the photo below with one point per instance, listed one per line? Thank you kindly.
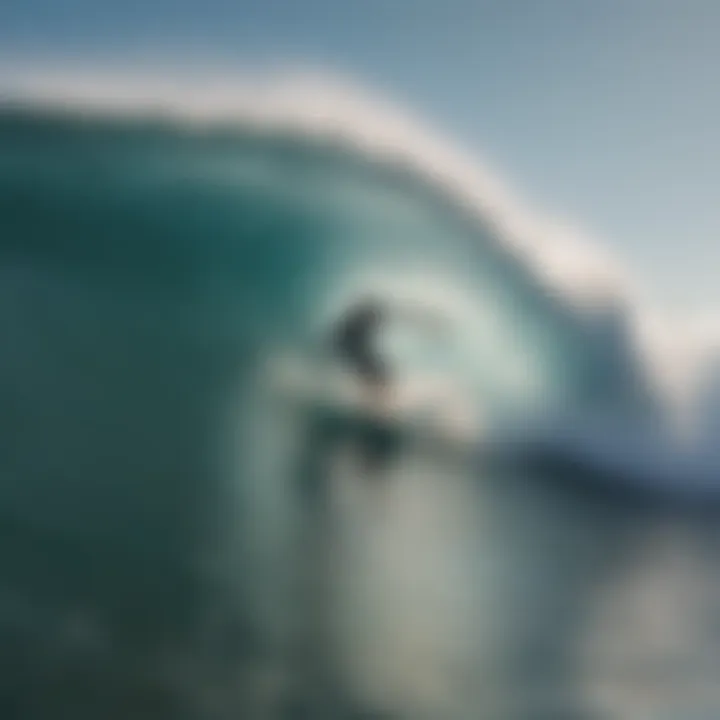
(150, 274)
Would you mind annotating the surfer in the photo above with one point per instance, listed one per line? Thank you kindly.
(355, 344)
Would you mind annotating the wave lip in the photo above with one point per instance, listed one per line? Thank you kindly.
(321, 106)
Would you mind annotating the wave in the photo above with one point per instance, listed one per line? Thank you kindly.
(579, 299)
(162, 241)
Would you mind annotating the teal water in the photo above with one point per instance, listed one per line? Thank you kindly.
(149, 274)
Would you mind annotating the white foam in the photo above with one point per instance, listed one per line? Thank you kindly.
(321, 105)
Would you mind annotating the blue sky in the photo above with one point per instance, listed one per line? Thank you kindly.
(606, 112)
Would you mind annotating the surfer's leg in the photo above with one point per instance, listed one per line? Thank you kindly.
(375, 378)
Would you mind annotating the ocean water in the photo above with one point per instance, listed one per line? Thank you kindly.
(177, 540)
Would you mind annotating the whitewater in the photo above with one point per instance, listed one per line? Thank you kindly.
(164, 240)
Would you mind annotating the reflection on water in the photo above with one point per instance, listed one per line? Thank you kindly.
(441, 587)
(476, 589)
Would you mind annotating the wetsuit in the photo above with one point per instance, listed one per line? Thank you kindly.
(354, 341)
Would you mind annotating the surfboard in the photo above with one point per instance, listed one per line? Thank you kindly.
(429, 412)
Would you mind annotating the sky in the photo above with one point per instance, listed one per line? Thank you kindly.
(603, 112)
